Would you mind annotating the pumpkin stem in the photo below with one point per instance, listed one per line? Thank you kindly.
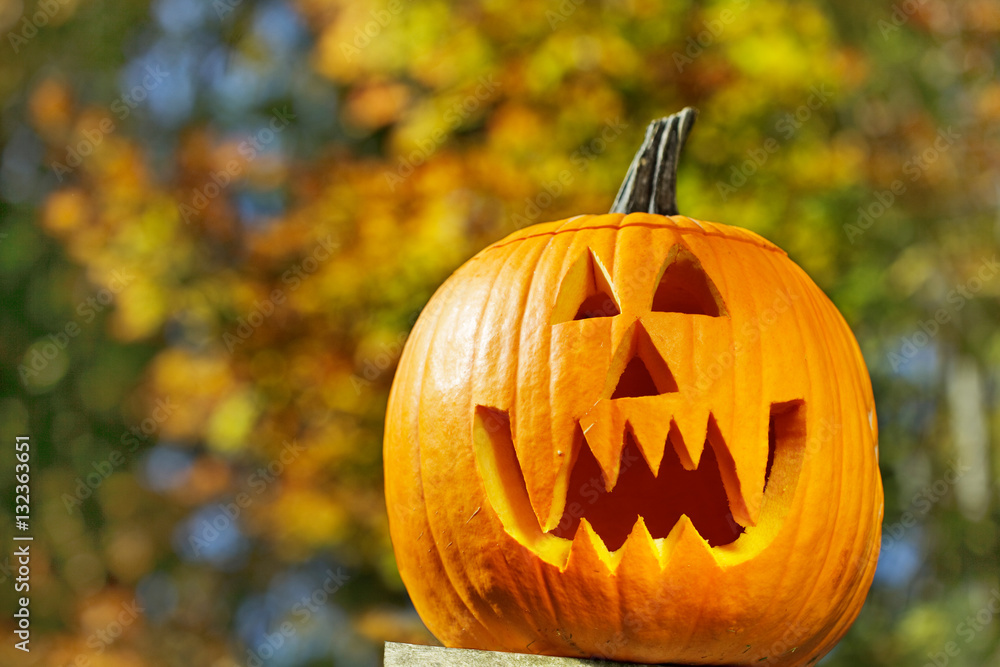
(651, 182)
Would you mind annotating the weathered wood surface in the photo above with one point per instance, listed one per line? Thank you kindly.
(411, 655)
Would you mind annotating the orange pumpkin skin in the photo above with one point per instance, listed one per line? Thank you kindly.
(475, 503)
(635, 436)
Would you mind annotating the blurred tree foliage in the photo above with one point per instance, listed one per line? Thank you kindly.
(221, 218)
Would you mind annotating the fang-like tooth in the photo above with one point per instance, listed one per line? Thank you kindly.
(640, 549)
(687, 546)
(691, 423)
(604, 427)
(650, 432)
(742, 455)
(589, 552)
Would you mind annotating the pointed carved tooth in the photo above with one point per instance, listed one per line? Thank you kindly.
(536, 459)
(588, 554)
(691, 423)
(744, 440)
(578, 365)
(588, 565)
(640, 553)
(685, 545)
(500, 472)
(604, 430)
(623, 331)
(531, 492)
(564, 464)
(744, 488)
(650, 431)
(722, 413)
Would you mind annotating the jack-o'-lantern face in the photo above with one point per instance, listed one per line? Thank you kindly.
(641, 441)
(639, 437)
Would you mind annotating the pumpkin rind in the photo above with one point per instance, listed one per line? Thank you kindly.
(513, 375)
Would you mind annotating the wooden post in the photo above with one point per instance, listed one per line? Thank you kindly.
(411, 655)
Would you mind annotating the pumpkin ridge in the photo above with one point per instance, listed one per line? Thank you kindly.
(759, 241)
(815, 308)
(439, 317)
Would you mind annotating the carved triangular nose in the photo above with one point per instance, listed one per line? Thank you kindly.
(637, 368)
(636, 381)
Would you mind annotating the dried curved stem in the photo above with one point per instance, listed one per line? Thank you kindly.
(650, 185)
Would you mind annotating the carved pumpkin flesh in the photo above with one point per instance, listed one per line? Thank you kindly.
(634, 436)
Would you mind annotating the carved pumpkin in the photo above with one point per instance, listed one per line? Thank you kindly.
(635, 436)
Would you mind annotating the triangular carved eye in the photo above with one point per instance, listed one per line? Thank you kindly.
(586, 292)
(684, 287)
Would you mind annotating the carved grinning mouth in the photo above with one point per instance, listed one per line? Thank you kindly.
(660, 499)
(701, 492)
